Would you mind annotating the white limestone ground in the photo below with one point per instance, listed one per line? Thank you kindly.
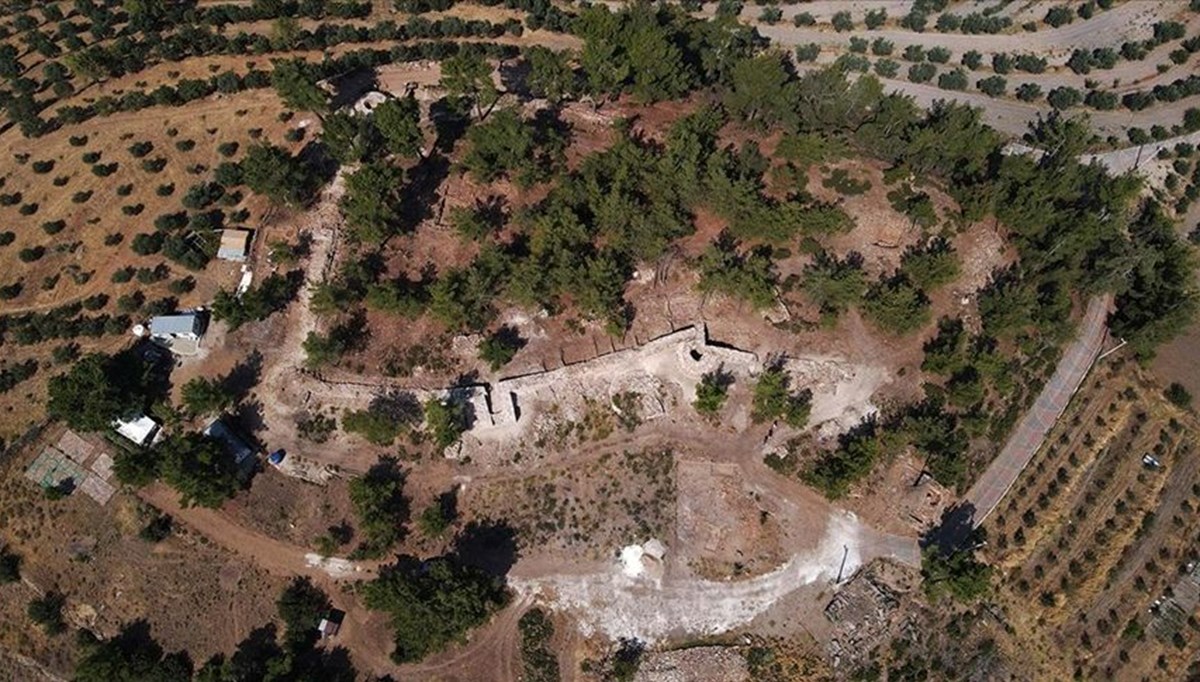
(621, 602)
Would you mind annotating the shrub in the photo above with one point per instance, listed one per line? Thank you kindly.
(7, 237)
(103, 170)
(185, 145)
(842, 22)
(1029, 92)
(54, 226)
(91, 157)
(155, 165)
(499, 348)
(124, 190)
(808, 52)
(1178, 395)
(28, 209)
(227, 149)
(42, 167)
(712, 391)
(78, 140)
(804, 19)
(31, 253)
(139, 149)
(992, 86)
(921, 73)
(46, 611)
(953, 80)
(939, 55)
(165, 190)
(887, 68)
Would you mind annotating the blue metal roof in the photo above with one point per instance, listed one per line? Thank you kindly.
(184, 323)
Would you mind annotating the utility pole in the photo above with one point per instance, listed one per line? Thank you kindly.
(845, 553)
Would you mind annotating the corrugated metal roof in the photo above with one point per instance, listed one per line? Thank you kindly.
(232, 443)
(165, 325)
(234, 244)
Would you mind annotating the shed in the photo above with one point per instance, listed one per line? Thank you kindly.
(233, 443)
(235, 245)
(139, 430)
(178, 326)
(331, 623)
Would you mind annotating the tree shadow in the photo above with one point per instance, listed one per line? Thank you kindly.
(490, 546)
(250, 418)
(514, 78)
(450, 122)
(420, 197)
(244, 376)
(956, 528)
(401, 407)
(254, 653)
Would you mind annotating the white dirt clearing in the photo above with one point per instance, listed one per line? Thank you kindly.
(620, 605)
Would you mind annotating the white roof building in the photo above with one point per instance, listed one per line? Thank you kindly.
(139, 430)
(177, 326)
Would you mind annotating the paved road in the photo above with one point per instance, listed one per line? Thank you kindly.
(1031, 432)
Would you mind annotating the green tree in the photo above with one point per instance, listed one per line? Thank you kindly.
(749, 276)
(97, 390)
(931, 265)
(957, 573)
(372, 202)
(380, 506)
(445, 421)
(297, 88)
(351, 138)
(468, 76)
(1158, 299)
(399, 122)
(833, 284)
(272, 172)
(759, 91)
(604, 59)
(301, 606)
(550, 74)
(506, 143)
(773, 399)
(204, 396)
(386, 417)
(896, 305)
(258, 302)
(499, 348)
(657, 64)
(433, 603)
(712, 391)
(199, 468)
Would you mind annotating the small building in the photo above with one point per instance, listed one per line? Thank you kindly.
(139, 430)
(242, 453)
(178, 326)
(235, 245)
(331, 623)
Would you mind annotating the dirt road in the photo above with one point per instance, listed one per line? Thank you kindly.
(1031, 432)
